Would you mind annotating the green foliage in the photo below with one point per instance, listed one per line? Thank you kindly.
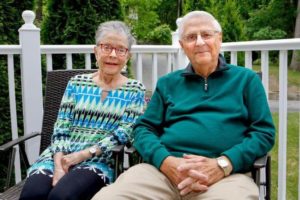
(275, 17)
(167, 12)
(141, 17)
(75, 22)
(230, 19)
(267, 33)
(160, 35)
(226, 12)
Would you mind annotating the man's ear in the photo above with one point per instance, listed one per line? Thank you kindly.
(95, 52)
(220, 36)
(181, 44)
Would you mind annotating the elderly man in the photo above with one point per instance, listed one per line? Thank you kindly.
(203, 129)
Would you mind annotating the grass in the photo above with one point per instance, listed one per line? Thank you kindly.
(292, 158)
(293, 76)
(293, 132)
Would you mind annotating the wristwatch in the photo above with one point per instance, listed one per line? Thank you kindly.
(224, 165)
(93, 150)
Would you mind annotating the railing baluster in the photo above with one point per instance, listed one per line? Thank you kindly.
(13, 114)
(139, 69)
(69, 61)
(49, 62)
(87, 61)
(265, 70)
(154, 71)
(248, 59)
(169, 64)
(282, 132)
(233, 57)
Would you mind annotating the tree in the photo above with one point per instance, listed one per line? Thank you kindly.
(295, 63)
(271, 21)
(75, 22)
(166, 13)
(141, 16)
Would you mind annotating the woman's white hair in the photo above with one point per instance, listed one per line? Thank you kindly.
(115, 27)
(198, 14)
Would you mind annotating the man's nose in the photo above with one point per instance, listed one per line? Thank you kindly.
(199, 40)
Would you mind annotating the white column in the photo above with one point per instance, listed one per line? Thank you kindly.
(32, 97)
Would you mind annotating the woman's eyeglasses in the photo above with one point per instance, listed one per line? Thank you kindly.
(107, 49)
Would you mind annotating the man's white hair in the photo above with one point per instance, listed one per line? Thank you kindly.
(198, 14)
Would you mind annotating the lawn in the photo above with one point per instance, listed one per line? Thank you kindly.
(292, 158)
(293, 132)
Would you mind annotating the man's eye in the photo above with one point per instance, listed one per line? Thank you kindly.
(191, 37)
(205, 35)
(107, 47)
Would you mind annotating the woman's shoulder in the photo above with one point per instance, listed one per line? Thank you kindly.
(135, 84)
(82, 78)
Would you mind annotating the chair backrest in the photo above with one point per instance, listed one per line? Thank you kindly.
(55, 86)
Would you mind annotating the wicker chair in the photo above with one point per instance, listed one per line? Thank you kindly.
(55, 87)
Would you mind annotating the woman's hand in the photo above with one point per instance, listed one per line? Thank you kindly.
(57, 175)
(72, 159)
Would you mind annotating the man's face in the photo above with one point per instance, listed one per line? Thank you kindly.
(201, 42)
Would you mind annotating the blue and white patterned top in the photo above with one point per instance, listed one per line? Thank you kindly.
(84, 120)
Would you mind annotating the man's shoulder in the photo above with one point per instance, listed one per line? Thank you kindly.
(172, 75)
(241, 71)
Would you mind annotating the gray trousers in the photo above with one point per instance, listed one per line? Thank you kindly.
(145, 182)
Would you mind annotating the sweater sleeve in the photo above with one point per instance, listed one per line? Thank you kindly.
(61, 130)
(123, 134)
(148, 129)
(260, 135)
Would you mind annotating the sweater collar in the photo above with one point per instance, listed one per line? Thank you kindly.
(190, 72)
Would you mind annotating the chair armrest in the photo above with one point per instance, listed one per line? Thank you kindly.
(261, 162)
(130, 150)
(118, 149)
(19, 140)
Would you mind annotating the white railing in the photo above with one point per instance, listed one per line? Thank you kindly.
(148, 62)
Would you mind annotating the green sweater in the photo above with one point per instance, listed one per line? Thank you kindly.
(225, 114)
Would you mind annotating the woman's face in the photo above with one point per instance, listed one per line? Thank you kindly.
(112, 53)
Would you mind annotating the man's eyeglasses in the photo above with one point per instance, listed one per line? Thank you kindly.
(107, 49)
(205, 35)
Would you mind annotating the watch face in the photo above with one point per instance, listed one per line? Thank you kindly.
(223, 163)
(92, 150)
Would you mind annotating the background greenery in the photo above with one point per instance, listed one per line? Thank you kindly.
(152, 21)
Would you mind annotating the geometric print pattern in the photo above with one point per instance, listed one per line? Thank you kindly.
(84, 120)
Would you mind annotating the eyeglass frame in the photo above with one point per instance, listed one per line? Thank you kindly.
(205, 38)
(111, 48)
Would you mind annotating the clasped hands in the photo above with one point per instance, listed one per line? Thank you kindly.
(64, 162)
(191, 173)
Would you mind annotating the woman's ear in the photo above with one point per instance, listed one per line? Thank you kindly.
(96, 52)
(128, 56)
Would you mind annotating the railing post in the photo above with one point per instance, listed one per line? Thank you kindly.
(181, 60)
(32, 97)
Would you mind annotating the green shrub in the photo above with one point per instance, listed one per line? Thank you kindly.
(160, 35)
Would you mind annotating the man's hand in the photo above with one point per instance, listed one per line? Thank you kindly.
(201, 172)
(169, 168)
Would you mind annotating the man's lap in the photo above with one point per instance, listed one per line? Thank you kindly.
(143, 181)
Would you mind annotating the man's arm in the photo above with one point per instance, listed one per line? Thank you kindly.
(260, 135)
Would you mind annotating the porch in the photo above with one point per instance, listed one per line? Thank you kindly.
(149, 62)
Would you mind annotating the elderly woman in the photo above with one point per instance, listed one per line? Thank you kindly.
(96, 113)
